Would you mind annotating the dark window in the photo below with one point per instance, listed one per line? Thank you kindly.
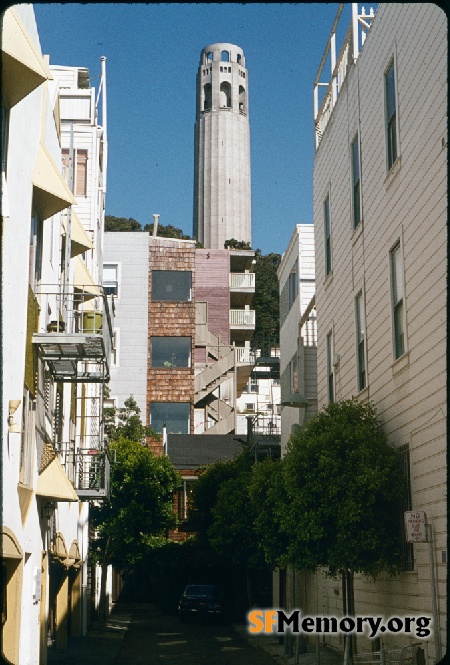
(330, 367)
(356, 183)
(397, 301)
(176, 416)
(360, 341)
(170, 352)
(293, 284)
(207, 102)
(172, 285)
(391, 115)
(327, 233)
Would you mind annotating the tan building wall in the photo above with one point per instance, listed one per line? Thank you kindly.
(407, 204)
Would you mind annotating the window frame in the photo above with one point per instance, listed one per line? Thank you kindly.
(360, 333)
(405, 504)
(154, 272)
(27, 440)
(80, 170)
(327, 236)
(293, 374)
(398, 310)
(331, 392)
(355, 156)
(166, 420)
(293, 280)
(391, 116)
(175, 339)
(105, 283)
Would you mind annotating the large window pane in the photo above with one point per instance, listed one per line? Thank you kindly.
(172, 285)
(176, 415)
(171, 352)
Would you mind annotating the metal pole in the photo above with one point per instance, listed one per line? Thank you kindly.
(437, 637)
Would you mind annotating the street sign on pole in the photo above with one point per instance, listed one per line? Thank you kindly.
(416, 526)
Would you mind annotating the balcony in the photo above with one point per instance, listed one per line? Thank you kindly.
(87, 469)
(242, 324)
(242, 289)
(338, 65)
(75, 338)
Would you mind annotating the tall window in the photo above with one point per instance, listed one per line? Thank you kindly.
(111, 279)
(35, 250)
(79, 170)
(356, 182)
(172, 285)
(330, 367)
(207, 96)
(293, 284)
(391, 115)
(225, 95)
(171, 352)
(28, 438)
(360, 341)
(176, 416)
(397, 288)
(327, 233)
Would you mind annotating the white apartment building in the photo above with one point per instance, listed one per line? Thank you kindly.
(297, 332)
(380, 218)
(51, 354)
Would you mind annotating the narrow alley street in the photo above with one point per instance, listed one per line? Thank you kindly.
(154, 637)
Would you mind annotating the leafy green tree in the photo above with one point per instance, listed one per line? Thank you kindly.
(140, 508)
(232, 243)
(269, 504)
(121, 224)
(266, 301)
(126, 423)
(343, 485)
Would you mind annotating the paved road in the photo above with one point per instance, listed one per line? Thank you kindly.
(153, 638)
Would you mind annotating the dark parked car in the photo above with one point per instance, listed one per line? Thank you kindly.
(202, 600)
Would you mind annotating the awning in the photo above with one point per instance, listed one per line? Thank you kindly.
(23, 68)
(79, 239)
(54, 484)
(83, 281)
(296, 400)
(51, 192)
(10, 545)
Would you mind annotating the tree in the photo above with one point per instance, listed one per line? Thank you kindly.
(269, 503)
(343, 485)
(266, 301)
(121, 224)
(140, 508)
(126, 423)
(232, 243)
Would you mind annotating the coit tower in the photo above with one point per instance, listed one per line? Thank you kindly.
(222, 206)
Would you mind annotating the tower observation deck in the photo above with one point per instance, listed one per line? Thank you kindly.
(222, 199)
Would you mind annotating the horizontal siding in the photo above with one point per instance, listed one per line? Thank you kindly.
(409, 204)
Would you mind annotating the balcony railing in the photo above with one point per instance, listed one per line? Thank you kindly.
(76, 337)
(242, 317)
(339, 66)
(242, 280)
(87, 469)
(245, 355)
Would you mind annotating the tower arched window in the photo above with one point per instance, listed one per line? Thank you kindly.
(207, 97)
(209, 56)
(238, 58)
(225, 56)
(225, 95)
(242, 99)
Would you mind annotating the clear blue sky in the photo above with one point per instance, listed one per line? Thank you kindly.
(153, 53)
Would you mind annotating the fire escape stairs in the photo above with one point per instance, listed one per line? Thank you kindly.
(213, 375)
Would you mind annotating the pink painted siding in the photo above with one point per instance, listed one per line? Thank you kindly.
(212, 270)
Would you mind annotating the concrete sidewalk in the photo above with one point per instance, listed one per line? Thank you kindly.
(97, 647)
(271, 644)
